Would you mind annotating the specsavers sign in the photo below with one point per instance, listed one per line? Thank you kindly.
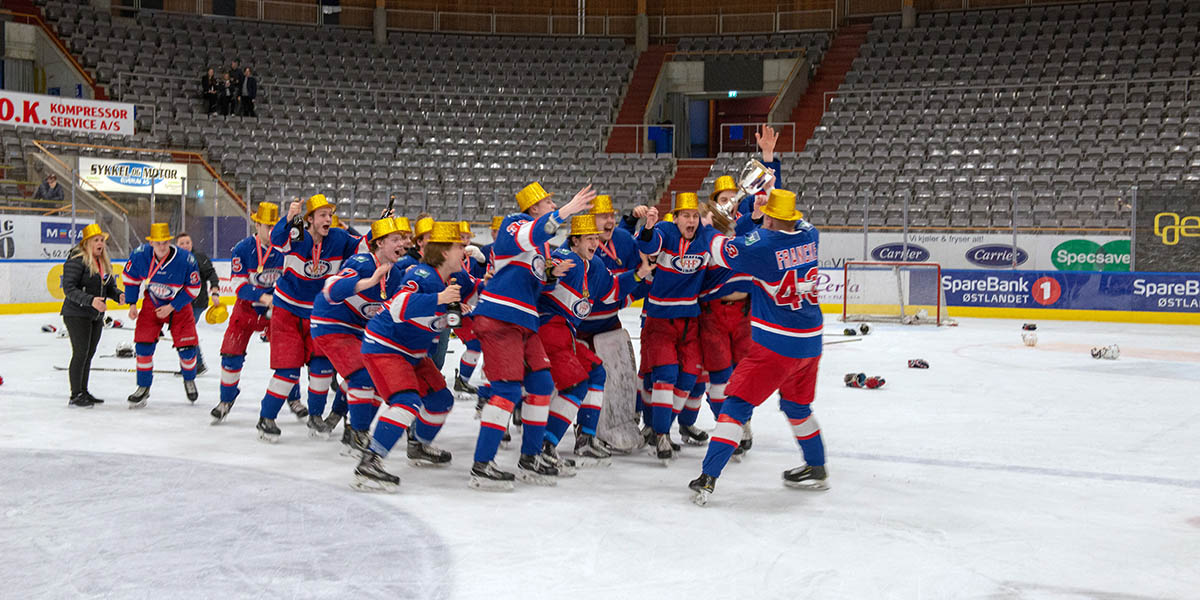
(133, 177)
(66, 114)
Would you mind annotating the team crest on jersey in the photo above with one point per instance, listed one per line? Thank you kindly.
(581, 308)
(752, 237)
(265, 279)
(162, 291)
(538, 265)
(512, 228)
(371, 309)
(195, 278)
(314, 269)
(731, 249)
(688, 263)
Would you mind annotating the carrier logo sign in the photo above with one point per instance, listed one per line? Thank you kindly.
(898, 252)
(1170, 227)
(995, 255)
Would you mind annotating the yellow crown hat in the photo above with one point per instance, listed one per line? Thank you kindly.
(781, 204)
(159, 232)
(685, 201)
(445, 232)
(497, 222)
(316, 202)
(403, 225)
(724, 183)
(584, 225)
(602, 205)
(530, 195)
(267, 214)
(90, 232)
(383, 227)
(216, 314)
(464, 228)
(424, 226)
(336, 222)
(670, 217)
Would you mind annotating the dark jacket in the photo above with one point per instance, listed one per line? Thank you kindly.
(208, 85)
(251, 87)
(80, 287)
(236, 76)
(208, 278)
(45, 192)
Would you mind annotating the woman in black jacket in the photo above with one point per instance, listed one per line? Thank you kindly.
(87, 281)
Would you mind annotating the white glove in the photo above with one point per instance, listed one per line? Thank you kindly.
(475, 253)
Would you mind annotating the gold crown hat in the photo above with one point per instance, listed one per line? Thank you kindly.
(424, 226)
(497, 222)
(724, 183)
(90, 232)
(445, 232)
(670, 217)
(267, 214)
(685, 201)
(464, 228)
(403, 225)
(159, 232)
(316, 202)
(530, 195)
(584, 225)
(602, 205)
(781, 204)
(383, 227)
(216, 314)
(336, 222)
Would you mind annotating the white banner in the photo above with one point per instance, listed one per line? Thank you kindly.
(133, 177)
(30, 237)
(66, 114)
(1044, 252)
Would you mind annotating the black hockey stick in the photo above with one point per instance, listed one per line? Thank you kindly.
(122, 370)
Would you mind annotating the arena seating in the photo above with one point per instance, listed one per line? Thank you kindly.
(782, 45)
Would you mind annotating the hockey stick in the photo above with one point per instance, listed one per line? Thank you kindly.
(121, 370)
(846, 341)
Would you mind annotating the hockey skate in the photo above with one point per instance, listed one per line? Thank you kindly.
(806, 477)
(332, 422)
(533, 469)
(298, 408)
(703, 486)
(359, 442)
(488, 477)
(692, 435)
(220, 411)
(565, 466)
(138, 398)
(744, 446)
(80, 400)
(480, 402)
(590, 452)
(369, 475)
(663, 449)
(267, 430)
(463, 389)
(189, 388)
(426, 455)
(317, 428)
(650, 439)
(93, 399)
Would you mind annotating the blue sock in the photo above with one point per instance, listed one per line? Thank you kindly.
(320, 373)
(716, 391)
(187, 362)
(662, 397)
(277, 391)
(401, 410)
(589, 412)
(564, 409)
(493, 421)
(360, 400)
(434, 409)
(145, 363)
(535, 410)
(679, 395)
(806, 430)
(231, 375)
(339, 399)
(470, 358)
(726, 436)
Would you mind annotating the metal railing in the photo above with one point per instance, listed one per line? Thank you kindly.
(745, 141)
(641, 134)
(874, 8)
(58, 44)
(675, 26)
(1008, 87)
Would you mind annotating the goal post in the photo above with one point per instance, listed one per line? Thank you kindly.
(902, 292)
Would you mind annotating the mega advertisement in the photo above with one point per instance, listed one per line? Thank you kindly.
(133, 177)
(981, 250)
(33, 237)
(1168, 229)
(66, 114)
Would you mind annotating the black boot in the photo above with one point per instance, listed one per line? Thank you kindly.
(487, 476)
(369, 475)
(79, 400)
(94, 399)
(703, 486)
(267, 430)
(189, 388)
(807, 477)
(692, 435)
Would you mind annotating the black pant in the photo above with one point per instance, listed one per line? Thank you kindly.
(248, 107)
(210, 102)
(85, 336)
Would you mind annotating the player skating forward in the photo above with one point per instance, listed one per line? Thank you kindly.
(506, 322)
(785, 346)
(396, 353)
(171, 281)
(254, 269)
(310, 255)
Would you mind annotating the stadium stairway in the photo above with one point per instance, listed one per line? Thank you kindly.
(689, 176)
(829, 77)
(633, 106)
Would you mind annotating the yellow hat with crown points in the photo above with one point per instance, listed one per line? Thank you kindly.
(216, 314)
(584, 225)
(530, 195)
(317, 202)
(464, 228)
(267, 214)
(383, 227)
(685, 201)
(781, 204)
(337, 223)
(497, 222)
(724, 183)
(159, 232)
(403, 225)
(602, 205)
(90, 232)
(669, 217)
(424, 226)
(445, 232)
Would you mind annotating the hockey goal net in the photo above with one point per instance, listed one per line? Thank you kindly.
(904, 292)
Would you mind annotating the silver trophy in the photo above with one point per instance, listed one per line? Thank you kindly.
(754, 178)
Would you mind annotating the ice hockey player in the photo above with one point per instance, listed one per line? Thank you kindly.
(171, 281)
(506, 322)
(670, 334)
(785, 346)
(254, 269)
(725, 188)
(396, 353)
(619, 253)
(312, 252)
(475, 266)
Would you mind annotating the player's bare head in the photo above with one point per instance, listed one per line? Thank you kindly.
(719, 221)
(263, 230)
(184, 241)
(585, 245)
(688, 221)
(161, 248)
(606, 223)
(437, 254)
(725, 196)
(321, 220)
(778, 224)
(546, 205)
(406, 240)
(388, 248)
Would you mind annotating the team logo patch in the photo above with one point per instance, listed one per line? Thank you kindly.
(195, 278)
(265, 279)
(752, 237)
(688, 263)
(731, 249)
(164, 292)
(371, 309)
(582, 308)
(538, 265)
(512, 228)
(314, 269)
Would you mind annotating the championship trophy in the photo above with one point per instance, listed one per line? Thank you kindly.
(754, 178)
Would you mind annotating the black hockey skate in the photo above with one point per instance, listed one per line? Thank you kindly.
(692, 435)
(747, 437)
(565, 466)
(486, 476)
(807, 477)
(80, 400)
(664, 450)
(267, 431)
(298, 408)
(590, 452)
(359, 442)
(426, 455)
(533, 469)
(92, 398)
(332, 422)
(703, 486)
(461, 386)
(220, 411)
(317, 429)
(369, 475)
(189, 388)
(650, 438)
(138, 398)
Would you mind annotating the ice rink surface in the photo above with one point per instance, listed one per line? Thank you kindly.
(1002, 472)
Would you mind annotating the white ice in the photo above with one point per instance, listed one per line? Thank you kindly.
(1001, 472)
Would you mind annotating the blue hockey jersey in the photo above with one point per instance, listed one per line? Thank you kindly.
(174, 280)
(339, 309)
(249, 281)
(519, 269)
(681, 267)
(785, 314)
(620, 255)
(586, 284)
(303, 274)
(411, 320)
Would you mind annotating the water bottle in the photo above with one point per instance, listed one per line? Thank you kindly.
(454, 315)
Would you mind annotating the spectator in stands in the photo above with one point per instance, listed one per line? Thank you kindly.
(49, 189)
(235, 76)
(208, 280)
(208, 89)
(226, 93)
(248, 91)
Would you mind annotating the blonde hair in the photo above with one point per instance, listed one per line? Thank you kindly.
(82, 252)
